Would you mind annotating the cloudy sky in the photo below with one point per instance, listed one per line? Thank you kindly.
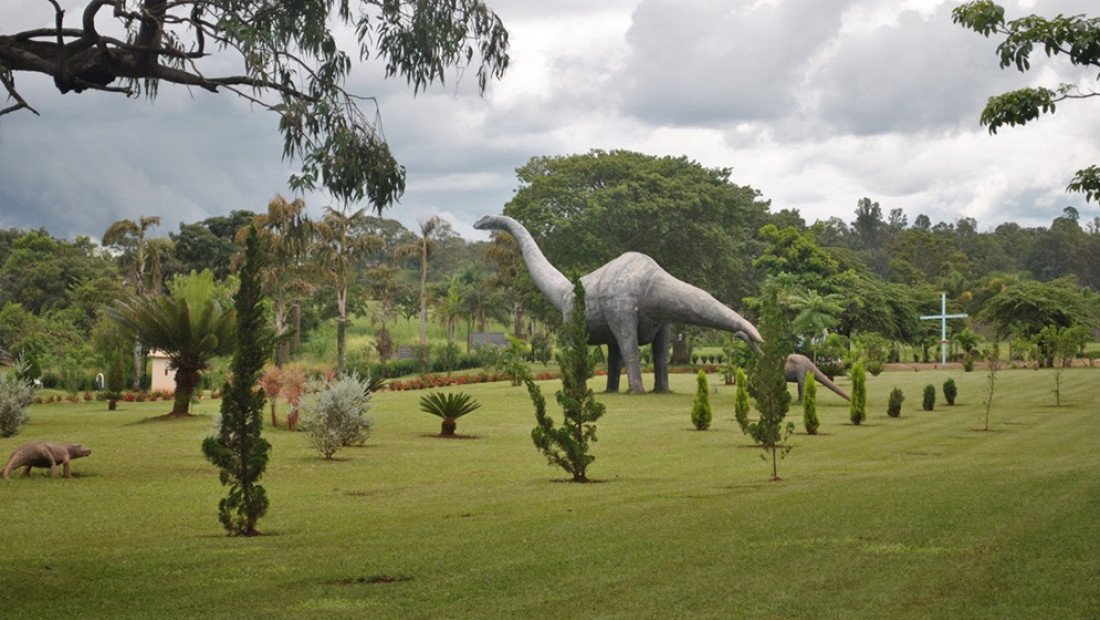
(816, 103)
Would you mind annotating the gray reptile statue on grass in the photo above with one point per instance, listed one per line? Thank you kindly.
(44, 454)
(796, 369)
(630, 301)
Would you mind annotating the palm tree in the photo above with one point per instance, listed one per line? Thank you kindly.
(422, 246)
(341, 240)
(190, 329)
(449, 407)
(128, 236)
(816, 314)
(451, 308)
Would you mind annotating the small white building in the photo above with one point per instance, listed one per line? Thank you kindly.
(161, 379)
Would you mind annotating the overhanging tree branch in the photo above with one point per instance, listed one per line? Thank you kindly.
(1076, 37)
(291, 65)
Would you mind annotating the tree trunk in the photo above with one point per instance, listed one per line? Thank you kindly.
(424, 298)
(680, 350)
(296, 339)
(137, 365)
(186, 381)
(517, 318)
(341, 324)
(280, 312)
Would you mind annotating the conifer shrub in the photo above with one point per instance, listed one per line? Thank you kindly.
(238, 450)
(768, 385)
(567, 446)
(741, 402)
(809, 406)
(875, 367)
(950, 391)
(857, 409)
(929, 402)
(701, 413)
(893, 407)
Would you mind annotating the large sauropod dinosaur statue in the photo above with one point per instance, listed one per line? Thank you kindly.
(796, 369)
(44, 454)
(629, 302)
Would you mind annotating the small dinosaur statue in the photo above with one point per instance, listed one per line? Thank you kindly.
(796, 369)
(44, 454)
(630, 301)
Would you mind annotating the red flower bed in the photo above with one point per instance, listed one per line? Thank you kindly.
(428, 382)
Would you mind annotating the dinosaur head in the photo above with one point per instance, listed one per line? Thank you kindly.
(753, 340)
(76, 450)
(489, 222)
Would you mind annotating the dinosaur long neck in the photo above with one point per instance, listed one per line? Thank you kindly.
(548, 279)
(681, 302)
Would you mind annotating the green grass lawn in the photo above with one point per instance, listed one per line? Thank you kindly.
(916, 517)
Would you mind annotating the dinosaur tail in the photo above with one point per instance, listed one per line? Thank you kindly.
(827, 382)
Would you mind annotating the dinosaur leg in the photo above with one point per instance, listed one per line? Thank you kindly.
(68, 473)
(626, 335)
(53, 467)
(660, 359)
(27, 470)
(614, 366)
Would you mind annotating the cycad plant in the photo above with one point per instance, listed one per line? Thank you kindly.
(450, 407)
(190, 329)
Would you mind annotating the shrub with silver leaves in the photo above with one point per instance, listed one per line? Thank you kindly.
(335, 416)
(15, 396)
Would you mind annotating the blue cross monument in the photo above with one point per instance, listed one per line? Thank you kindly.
(943, 316)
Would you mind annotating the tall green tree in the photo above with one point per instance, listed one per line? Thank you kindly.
(290, 60)
(43, 273)
(567, 446)
(1026, 307)
(191, 328)
(587, 209)
(868, 228)
(1073, 37)
(239, 450)
(209, 244)
(767, 383)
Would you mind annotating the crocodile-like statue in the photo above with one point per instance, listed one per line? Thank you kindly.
(629, 302)
(44, 454)
(796, 369)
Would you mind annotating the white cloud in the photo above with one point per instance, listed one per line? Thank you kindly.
(814, 102)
